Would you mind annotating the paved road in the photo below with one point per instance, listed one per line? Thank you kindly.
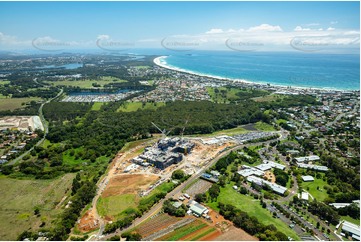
(46, 130)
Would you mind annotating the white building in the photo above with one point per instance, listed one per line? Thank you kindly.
(352, 229)
(307, 178)
(306, 159)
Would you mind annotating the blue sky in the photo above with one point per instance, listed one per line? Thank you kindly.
(145, 24)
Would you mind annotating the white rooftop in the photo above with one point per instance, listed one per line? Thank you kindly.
(351, 228)
(304, 196)
(307, 178)
(307, 158)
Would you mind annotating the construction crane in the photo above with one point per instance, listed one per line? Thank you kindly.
(182, 133)
(164, 131)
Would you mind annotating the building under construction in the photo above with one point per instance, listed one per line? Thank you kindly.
(165, 152)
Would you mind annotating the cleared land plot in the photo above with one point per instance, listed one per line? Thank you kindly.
(134, 106)
(15, 103)
(114, 205)
(235, 234)
(20, 197)
(128, 184)
(199, 187)
(183, 231)
(251, 206)
(87, 83)
(158, 223)
(121, 194)
(320, 194)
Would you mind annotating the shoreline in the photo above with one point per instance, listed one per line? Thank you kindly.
(158, 62)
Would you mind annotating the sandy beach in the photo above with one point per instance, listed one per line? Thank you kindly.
(159, 61)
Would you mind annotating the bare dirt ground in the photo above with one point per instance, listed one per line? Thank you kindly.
(211, 236)
(235, 234)
(228, 231)
(199, 187)
(128, 184)
(270, 176)
(88, 222)
(201, 153)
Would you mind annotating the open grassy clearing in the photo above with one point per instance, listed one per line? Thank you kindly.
(321, 193)
(134, 106)
(261, 126)
(87, 83)
(114, 205)
(15, 103)
(133, 144)
(251, 206)
(3, 82)
(96, 106)
(351, 220)
(268, 98)
(19, 198)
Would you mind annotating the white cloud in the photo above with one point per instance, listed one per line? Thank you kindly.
(215, 31)
(103, 37)
(11, 40)
(334, 22)
(299, 28)
(312, 24)
(265, 27)
(330, 29)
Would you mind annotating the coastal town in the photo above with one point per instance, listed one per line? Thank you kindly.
(290, 163)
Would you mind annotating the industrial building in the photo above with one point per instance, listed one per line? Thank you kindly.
(307, 178)
(261, 182)
(312, 167)
(306, 159)
(352, 229)
(164, 153)
(197, 209)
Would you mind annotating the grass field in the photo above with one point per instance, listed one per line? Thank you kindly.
(15, 103)
(87, 83)
(268, 98)
(264, 126)
(134, 106)
(251, 206)
(229, 96)
(320, 194)
(114, 205)
(351, 220)
(183, 231)
(133, 144)
(97, 106)
(19, 199)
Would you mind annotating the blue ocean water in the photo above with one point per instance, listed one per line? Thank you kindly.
(329, 71)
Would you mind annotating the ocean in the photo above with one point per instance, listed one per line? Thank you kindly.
(326, 71)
